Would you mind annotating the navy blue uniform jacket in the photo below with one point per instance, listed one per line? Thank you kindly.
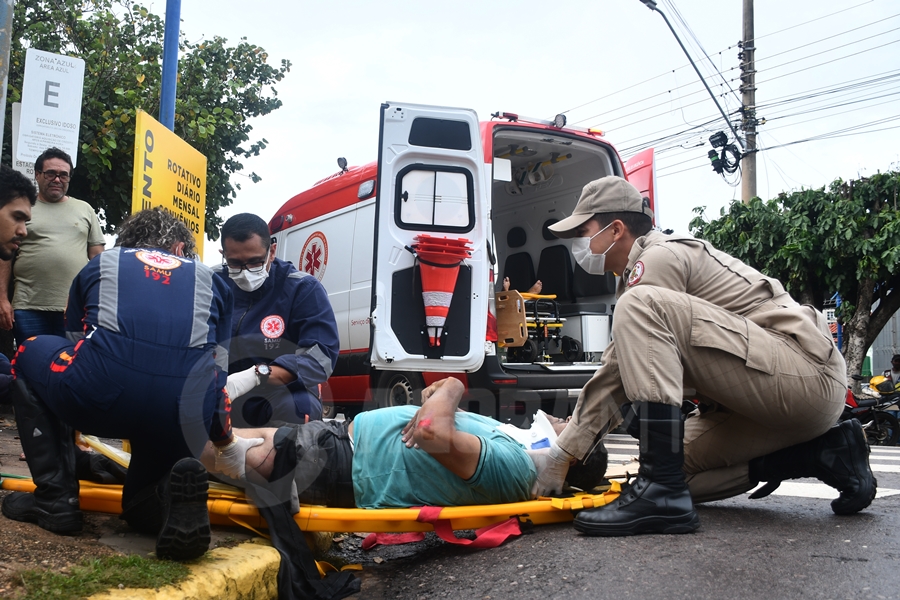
(288, 322)
(129, 296)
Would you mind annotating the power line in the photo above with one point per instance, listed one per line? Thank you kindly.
(623, 90)
(696, 40)
(681, 97)
(829, 116)
(828, 50)
(845, 132)
(678, 140)
(724, 96)
(879, 21)
(672, 71)
(829, 62)
(759, 37)
(852, 84)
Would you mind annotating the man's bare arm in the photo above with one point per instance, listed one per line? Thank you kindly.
(6, 310)
(95, 250)
(433, 429)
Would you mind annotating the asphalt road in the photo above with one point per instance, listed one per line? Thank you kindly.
(788, 545)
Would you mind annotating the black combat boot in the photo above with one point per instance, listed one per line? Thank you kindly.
(658, 501)
(144, 512)
(49, 447)
(838, 457)
(185, 528)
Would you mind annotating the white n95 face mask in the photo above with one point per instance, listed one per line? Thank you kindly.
(595, 264)
(248, 281)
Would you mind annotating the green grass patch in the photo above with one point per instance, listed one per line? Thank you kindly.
(99, 574)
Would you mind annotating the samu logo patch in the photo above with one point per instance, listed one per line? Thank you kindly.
(272, 327)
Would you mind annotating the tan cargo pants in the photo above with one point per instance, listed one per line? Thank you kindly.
(666, 341)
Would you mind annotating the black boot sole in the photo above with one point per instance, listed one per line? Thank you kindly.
(861, 501)
(63, 524)
(185, 534)
(649, 524)
(856, 440)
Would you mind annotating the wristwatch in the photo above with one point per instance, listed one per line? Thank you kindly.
(263, 371)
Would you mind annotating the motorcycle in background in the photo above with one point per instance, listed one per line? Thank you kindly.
(871, 408)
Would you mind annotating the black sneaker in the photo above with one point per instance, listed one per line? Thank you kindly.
(185, 532)
(22, 506)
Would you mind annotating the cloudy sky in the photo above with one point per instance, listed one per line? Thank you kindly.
(829, 71)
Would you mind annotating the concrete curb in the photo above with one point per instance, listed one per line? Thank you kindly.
(246, 572)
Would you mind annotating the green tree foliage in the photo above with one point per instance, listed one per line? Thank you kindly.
(843, 239)
(220, 88)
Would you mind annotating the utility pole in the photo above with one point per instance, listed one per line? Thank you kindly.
(748, 110)
(170, 64)
(6, 22)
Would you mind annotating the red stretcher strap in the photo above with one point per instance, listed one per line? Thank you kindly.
(486, 537)
(389, 539)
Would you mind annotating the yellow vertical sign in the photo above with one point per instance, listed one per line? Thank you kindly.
(169, 173)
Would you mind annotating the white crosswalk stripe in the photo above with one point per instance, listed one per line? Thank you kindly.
(623, 449)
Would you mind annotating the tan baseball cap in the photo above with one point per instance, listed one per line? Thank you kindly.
(604, 195)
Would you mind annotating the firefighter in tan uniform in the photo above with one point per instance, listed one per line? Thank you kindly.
(770, 379)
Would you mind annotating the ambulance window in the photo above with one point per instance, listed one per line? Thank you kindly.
(435, 198)
(440, 133)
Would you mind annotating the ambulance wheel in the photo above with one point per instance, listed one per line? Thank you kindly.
(399, 388)
(328, 410)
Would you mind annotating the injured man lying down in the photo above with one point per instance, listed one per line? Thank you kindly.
(433, 455)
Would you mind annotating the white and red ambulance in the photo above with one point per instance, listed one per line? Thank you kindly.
(493, 186)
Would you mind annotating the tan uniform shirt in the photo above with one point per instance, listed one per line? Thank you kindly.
(55, 250)
(692, 266)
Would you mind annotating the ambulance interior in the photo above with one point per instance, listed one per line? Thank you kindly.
(547, 174)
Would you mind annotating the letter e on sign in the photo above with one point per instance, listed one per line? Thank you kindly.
(48, 93)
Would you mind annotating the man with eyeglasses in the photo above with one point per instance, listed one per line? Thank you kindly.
(284, 334)
(63, 235)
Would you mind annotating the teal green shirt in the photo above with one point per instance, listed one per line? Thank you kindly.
(388, 474)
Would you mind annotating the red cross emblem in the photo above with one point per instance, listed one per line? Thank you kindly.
(314, 255)
(159, 260)
(272, 327)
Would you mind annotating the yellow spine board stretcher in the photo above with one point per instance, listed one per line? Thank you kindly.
(229, 506)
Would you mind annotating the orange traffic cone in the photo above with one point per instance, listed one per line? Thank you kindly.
(438, 282)
(439, 260)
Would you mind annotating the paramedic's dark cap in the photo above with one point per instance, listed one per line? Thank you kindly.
(604, 195)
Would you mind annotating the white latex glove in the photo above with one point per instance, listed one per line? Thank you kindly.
(241, 382)
(552, 465)
(231, 460)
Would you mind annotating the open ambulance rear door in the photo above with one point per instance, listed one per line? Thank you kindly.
(432, 196)
(640, 171)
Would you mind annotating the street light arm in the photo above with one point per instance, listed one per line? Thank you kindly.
(651, 4)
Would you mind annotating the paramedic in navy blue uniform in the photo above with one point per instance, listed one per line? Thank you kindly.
(284, 336)
(148, 328)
